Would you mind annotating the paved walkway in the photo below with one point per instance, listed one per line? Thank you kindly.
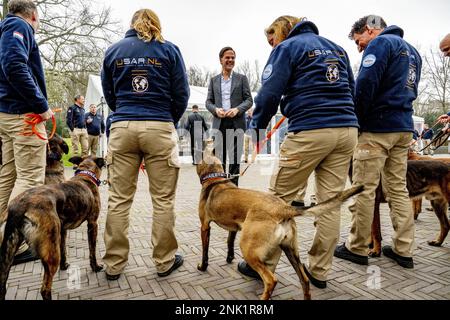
(429, 280)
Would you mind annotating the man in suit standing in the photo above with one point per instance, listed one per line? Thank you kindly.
(196, 125)
(229, 97)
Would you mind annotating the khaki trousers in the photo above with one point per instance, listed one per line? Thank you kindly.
(93, 144)
(382, 154)
(80, 136)
(130, 143)
(328, 153)
(248, 145)
(300, 197)
(23, 160)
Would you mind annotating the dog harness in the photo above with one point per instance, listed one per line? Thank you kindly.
(88, 174)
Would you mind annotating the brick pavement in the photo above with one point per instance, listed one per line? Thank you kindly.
(429, 280)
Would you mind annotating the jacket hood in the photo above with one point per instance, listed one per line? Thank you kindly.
(393, 30)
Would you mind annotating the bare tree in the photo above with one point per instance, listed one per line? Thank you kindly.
(437, 75)
(252, 72)
(72, 38)
(198, 77)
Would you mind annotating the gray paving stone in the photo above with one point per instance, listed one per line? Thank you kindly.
(430, 279)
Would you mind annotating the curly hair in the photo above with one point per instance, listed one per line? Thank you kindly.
(372, 21)
(147, 25)
(282, 26)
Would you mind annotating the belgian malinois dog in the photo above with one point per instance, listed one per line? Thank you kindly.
(424, 178)
(267, 222)
(41, 217)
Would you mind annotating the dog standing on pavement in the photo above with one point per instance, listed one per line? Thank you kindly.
(54, 169)
(267, 222)
(41, 216)
(417, 203)
(424, 178)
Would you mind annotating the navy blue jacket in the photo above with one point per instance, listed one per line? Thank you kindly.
(75, 118)
(387, 83)
(145, 80)
(248, 120)
(415, 134)
(22, 81)
(427, 134)
(97, 125)
(311, 78)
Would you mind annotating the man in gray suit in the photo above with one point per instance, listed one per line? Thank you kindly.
(229, 97)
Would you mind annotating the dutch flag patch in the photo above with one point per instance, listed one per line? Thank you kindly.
(18, 35)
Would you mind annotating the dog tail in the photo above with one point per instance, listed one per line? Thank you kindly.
(12, 238)
(329, 204)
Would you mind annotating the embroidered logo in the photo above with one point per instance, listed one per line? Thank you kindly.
(369, 61)
(333, 73)
(412, 75)
(267, 72)
(140, 84)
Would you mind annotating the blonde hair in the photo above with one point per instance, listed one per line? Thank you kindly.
(147, 25)
(282, 26)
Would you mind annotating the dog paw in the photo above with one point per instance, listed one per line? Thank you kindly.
(97, 268)
(435, 243)
(64, 266)
(230, 259)
(202, 266)
(375, 253)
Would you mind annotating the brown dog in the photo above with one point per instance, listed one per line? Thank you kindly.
(412, 155)
(266, 222)
(54, 170)
(41, 216)
(424, 178)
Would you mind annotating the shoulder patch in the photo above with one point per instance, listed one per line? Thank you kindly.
(18, 35)
(267, 72)
(369, 61)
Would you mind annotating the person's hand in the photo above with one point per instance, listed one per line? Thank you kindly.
(89, 120)
(47, 115)
(220, 113)
(233, 112)
(444, 118)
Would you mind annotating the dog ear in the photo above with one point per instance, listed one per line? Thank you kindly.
(76, 160)
(100, 162)
(64, 147)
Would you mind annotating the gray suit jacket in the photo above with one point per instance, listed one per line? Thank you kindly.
(241, 98)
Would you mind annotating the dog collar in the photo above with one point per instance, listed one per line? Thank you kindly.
(88, 174)
(215, 175)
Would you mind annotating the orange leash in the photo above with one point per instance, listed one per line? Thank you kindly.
(33, 120)
(261, 145)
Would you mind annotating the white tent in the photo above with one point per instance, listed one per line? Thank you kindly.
(94, 95)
